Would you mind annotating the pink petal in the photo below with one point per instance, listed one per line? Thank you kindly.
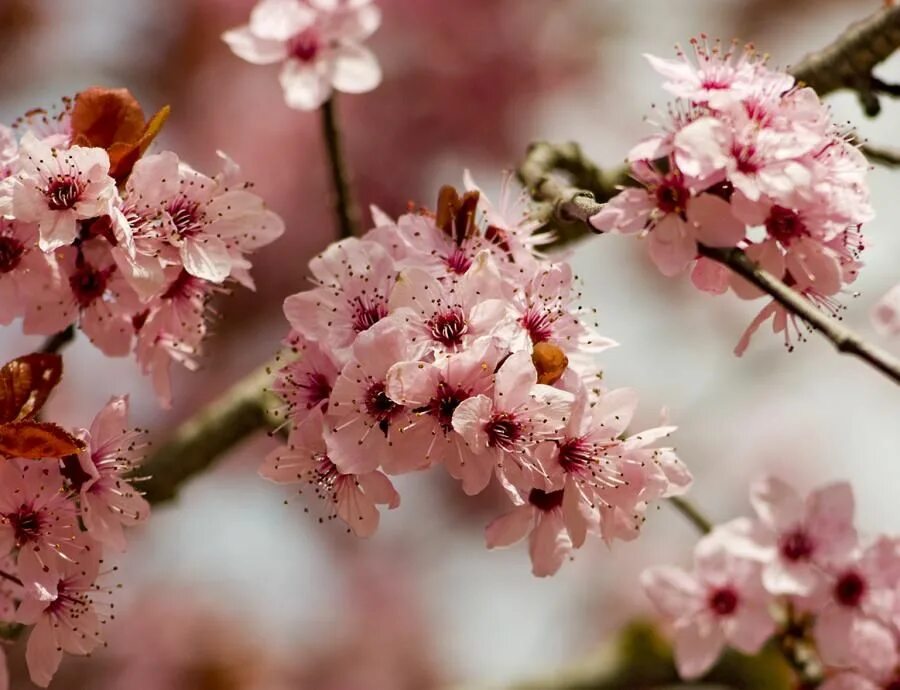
(696, 649)
(43, 653)
(509, 528)
(306, 86)
(354, 69)
(548, 545)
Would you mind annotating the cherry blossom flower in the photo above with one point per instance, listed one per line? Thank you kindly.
(799, 538)
(25, 271)
(352, 497)
(306, 383)
(851, 680)
(355, 278)
(63, 614)
(37, 518)
(366, 428)
(319, 43)
(503, 429)
(856, 628)
(108, 502)
(57, 188)
(721, 602)
(886, 314)
(747, 159)
(434, 392)
(540, 515)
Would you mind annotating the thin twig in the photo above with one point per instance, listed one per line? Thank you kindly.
(58, 341)
(889, 158)
(344, 207)
(694, 516)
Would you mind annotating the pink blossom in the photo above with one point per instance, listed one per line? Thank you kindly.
(434, 393)
(98, 474)
(57, 188)
(25, 271)
(305, 383)
(856, 628)
(721, 602)
(63, 614)
(886, 314)
(36, 517)
(800, 537)
(319, 43)
(542, 518)
(352, 497)
(851, 680)
(448, 316)
(355, 278)
(365, 427)
(503, 429)
(91, 292)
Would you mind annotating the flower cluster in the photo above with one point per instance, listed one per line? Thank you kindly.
(57, 517)
(318, 42)
(797, 571)
(129, 248)
(747, 158)
(445, 339)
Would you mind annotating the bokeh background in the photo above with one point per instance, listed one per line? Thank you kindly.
(227, 588)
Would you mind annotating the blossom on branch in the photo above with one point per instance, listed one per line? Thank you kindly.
(446, 338)
(746, 158)
(318, 43)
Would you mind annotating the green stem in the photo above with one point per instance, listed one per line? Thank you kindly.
(693, 515)
(345, 209)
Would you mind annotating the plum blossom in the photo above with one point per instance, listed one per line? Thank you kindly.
(503, 429)
(108, 502)
(722, 601)
(886, 314)
(25, 270)
(37, 518)
(318, 42)
(57, 188)
(63, 614)
(746, 159)
(444, 338)
(857, 626)
(798, 538)
(540, 516)
(354, 498)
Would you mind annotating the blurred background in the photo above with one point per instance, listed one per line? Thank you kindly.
(227, 588)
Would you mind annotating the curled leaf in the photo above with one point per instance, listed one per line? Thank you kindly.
(36, 440)
(550, 362)
(25, 385)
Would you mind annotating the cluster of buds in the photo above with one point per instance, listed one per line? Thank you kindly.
(64, 500)
(747, 158)
(799, 573)
(127, 246)
(446, 339)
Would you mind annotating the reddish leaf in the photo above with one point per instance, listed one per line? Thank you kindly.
(103, 117)
(455, 214)
(25, 384)
(123, 156)
(36, 440)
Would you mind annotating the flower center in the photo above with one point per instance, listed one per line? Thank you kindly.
(538, 323)
(26, 524)
(745, 159)
(796, 546)
(449, 327)
(785, 225)
(545, 501)
(723, 601)
(458, 262)
(444, 404)
(381, 407)
(576, 455)
(74, 472)
(11, 251)
(63, 192)
(503, 431)
(366, 315)
(850, 589)
(316, 389)
(671, 197)
(305, 46)
(186, 216)
(88, 284)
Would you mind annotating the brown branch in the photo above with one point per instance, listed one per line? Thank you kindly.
(58, 341)
(239, 412)
(847, 63)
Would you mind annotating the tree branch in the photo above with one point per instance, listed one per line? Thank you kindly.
(58, 341)
(847, 63)
(345, 209)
